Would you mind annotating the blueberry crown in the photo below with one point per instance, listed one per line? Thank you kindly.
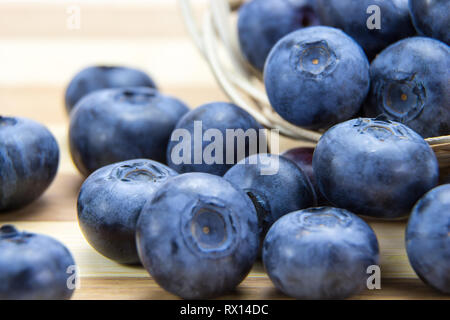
(401, 96)
(313, 59)
(382, 129)
(140, 171)
(210, 229)
(7, 121)
(323, 217)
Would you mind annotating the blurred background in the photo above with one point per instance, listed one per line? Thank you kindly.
(43, 43)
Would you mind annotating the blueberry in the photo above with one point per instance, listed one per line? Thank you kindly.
(29, 157)
(114, 125)
(431, 18)
(302, 157)
(198, 236)
(374, 167)
(262, 23)
(353, 18)
(275, 185)
(428, 238)
(103, 77)
(316, 77)
(410, 84)
(320, 253)
(33, 266)
(216, 119)
(110, 201)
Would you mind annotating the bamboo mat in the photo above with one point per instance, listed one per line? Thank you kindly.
(38, 56)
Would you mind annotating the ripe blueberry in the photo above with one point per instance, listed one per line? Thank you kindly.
(431, 18)
(262, 23)
(275, 185)
(316, 77)
(110, 201)
(320, 253)
(373, 29)
(114, 125)
(410, 84)
(198, 236)
(103, 77)
(33, 266)
(374, 167)
(428, 238)
(29, 157)
(234, 135)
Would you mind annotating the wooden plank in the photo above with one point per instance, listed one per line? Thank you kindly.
(250, 289)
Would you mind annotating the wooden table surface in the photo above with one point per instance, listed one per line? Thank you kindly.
(39, 55)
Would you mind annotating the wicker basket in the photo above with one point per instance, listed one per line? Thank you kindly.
(216, 38)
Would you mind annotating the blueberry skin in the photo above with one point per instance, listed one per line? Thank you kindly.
(302, 157)
(110, 202)
(374, 167)
(114, 125)
(218, 116)
(320, 253)
(431, 18)
(286, 189)
(428, 238)
(198, 236)
(262, 23)
(33, 266)
(410, 84)
(316, 77)
(96, 78)
(351, 16)
(29, 158)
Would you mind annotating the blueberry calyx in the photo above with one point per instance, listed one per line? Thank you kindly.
(8, 231)
(313, 59)
(7, 121)
(381, 128)
(401, 97)
(139, 171)
(210, 229)
(136, 96)
(323, 217)
(108, 67)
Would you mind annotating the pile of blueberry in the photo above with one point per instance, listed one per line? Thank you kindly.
(198, 227)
